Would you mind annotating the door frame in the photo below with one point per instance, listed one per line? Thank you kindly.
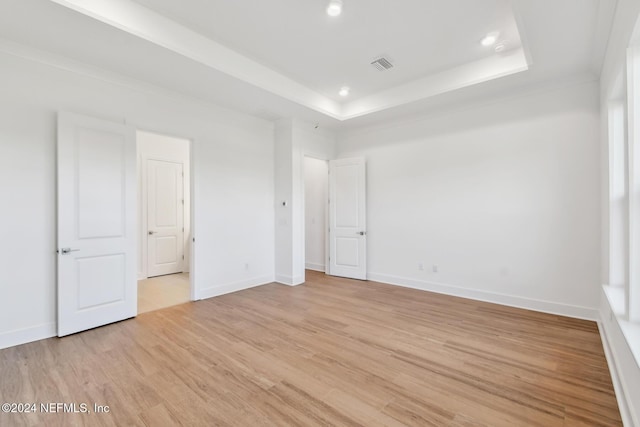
(141, 208)
(326, 211)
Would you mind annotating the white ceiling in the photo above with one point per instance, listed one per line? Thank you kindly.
(298, 39)
(287, 58)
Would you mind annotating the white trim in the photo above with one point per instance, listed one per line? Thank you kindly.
(27, 335)
(614, 297)
(632, 296)
(462, 76)
(526, 91)
(192, 213)
(228, 288)
(516, 9)
(48, 330)
(496, 298)
(155, 28)
(283, 279)
(615, 375)
(623, 364)
(289, 280)
(315, 267)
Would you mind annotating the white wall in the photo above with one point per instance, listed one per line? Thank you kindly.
(284, 200)
(232, 175)
(294, 140)
(162, 147)
(316, 183)
(502, 198)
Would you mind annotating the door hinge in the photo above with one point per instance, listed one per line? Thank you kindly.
(183, 257)
(183, 201)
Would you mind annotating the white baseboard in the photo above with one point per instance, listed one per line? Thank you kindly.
(36, 333)
(624, 365)
(509, 300)
(289, 280)
(609, 353)
(228, 288)
(26, 335)
(315, 267)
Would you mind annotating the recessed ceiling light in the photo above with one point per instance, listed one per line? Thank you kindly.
(489, 39)
(344, 91)
(334, 8)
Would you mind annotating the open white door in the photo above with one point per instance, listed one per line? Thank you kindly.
(165, 217)
(347, 219)
(96, 223)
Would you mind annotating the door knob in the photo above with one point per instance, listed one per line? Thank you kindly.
(361, 233)
(151, 233)
(65, 251)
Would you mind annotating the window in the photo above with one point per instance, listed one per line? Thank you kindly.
(632, 292)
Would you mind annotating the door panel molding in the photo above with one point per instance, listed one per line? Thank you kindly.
(347, 218)
(165, 217)
(96, 196)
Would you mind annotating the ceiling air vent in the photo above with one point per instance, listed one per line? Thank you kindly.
(382, 64)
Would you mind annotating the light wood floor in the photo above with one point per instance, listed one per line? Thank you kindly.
(330, 352)
(163, 291)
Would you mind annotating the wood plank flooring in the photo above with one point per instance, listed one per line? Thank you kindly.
(163, 291)
(330, 352)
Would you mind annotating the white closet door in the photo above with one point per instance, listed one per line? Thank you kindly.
(347, 219)
(165, 217)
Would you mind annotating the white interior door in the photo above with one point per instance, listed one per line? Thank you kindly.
(347, 219)
(165, 217)
(96, 223)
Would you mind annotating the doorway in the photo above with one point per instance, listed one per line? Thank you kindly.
(164, 202)
(316, 195)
